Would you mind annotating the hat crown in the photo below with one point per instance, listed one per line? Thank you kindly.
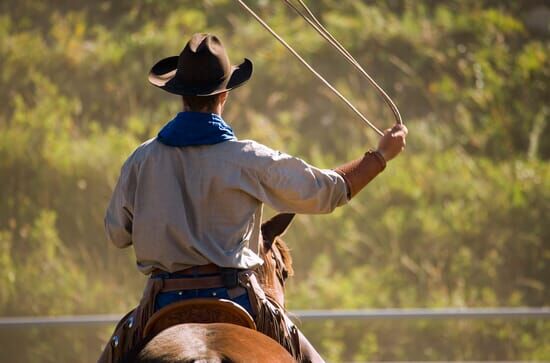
(203, 61)
(201, 69)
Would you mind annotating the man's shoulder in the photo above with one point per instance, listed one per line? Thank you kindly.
(145, 146)
(247, 153)
(142, 151)
(253, 147)
(248, 150)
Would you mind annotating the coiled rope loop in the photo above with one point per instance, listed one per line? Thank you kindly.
(308, 15)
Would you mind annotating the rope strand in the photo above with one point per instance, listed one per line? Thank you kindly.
(312, 20)
(310, 68)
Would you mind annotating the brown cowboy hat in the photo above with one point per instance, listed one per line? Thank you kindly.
(201, 69)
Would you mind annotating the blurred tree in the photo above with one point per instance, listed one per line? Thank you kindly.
(459, 220)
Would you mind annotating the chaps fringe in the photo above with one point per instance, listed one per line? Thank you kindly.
(271, 319)
(272, 322)
(127, 335)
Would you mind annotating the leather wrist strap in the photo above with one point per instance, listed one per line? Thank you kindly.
(379, 156)
(360, 172)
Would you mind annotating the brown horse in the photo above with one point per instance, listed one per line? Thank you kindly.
(217, 342)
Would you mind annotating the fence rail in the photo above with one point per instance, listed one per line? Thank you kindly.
(312, 315)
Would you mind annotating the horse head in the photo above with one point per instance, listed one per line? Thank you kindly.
(277, 267)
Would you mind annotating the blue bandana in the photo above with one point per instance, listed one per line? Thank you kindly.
(195, 128)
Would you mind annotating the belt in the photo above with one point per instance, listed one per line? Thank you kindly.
(219, 277)
(192, 271)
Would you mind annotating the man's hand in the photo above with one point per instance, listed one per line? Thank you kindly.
(393, 141)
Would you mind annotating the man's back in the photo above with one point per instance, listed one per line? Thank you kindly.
(194, 205)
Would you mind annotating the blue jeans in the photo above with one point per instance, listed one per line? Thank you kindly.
(166, 298)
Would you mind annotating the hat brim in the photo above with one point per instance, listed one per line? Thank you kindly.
(163, 75)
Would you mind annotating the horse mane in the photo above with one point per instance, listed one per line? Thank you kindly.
(285, 254)
(267, 273)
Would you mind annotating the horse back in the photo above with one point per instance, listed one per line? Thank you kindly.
(212, 343)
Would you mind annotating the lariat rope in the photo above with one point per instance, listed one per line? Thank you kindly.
(318, 26)
(311, 69)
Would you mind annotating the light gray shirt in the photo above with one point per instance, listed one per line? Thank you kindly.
(194, 205)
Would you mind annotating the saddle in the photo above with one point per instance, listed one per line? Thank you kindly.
(143, 322)
(200, 310)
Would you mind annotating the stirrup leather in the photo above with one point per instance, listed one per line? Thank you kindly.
(200, 310)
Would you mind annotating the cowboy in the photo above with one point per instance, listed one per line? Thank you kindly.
(190, 200)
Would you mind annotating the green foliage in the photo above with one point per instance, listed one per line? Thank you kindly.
(459, 220)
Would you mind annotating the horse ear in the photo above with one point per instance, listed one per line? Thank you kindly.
(276, 226)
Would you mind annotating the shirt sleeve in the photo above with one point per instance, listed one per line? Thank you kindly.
(289, 184)
(119, 215)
